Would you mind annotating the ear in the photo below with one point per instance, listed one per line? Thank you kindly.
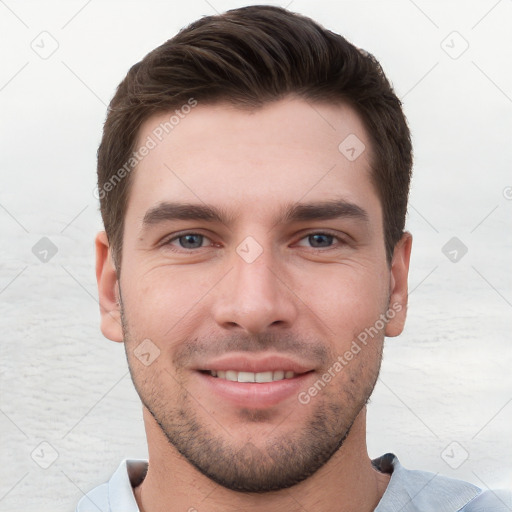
(108, 290)
(398, 290)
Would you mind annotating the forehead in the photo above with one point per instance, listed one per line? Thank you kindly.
(253, 161)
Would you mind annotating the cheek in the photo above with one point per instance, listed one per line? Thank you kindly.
(168, 302)
(160, 303)
(345, 298)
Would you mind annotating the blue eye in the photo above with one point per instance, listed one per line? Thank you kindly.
(189, 240)
(322, 239)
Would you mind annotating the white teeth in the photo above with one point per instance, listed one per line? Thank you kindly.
(245, 377)
(231, 375)
(279, 375)
(263, 377)
(260, 377)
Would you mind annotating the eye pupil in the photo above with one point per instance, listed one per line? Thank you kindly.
(191, 241)
(320, 237)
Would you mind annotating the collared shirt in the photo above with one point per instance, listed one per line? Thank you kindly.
(407, 491)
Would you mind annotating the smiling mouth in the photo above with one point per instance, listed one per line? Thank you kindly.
(256, 377)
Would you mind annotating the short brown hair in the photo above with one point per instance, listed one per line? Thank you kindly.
(248, 57)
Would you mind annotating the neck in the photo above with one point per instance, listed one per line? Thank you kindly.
(346, 483)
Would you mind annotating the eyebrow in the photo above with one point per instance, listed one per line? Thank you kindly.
(298, 212)
(324, 210)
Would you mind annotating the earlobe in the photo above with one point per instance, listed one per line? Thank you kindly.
(108, 290)
(398, 293)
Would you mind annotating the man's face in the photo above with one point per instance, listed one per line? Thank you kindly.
(272, 292)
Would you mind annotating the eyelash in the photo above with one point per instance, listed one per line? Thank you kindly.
(167, 243)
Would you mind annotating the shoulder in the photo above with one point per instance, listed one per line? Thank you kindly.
(117, 494)
(499, 500)
(95, 500)
(413, 490)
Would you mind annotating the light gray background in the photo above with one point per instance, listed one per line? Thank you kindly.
(445, 388)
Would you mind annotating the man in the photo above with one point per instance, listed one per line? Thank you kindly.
(253, 179)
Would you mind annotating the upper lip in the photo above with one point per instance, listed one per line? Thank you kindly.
(255, 364)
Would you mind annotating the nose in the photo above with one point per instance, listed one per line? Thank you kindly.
(255, 297)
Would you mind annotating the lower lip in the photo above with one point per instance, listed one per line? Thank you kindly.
(256, 395)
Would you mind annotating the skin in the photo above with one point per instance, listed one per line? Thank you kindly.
(304, 297)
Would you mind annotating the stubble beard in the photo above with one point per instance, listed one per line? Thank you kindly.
(279, 461)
